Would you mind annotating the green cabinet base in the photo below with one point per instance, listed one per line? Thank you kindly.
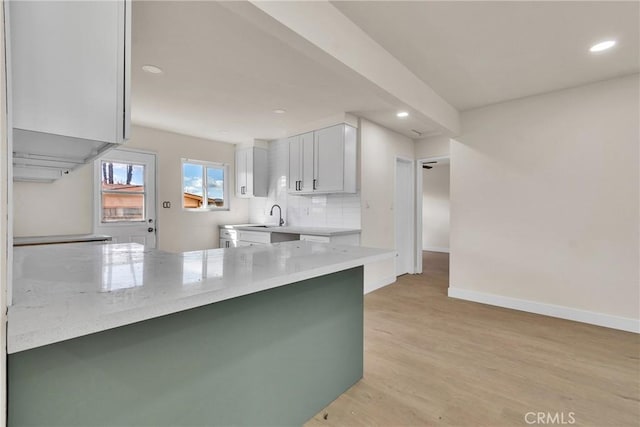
(271, 358)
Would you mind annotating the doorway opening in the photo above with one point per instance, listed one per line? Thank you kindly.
(433, 213)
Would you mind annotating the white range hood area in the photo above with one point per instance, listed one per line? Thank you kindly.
(44, 157)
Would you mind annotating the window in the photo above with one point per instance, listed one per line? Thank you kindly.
(204, 185)
(122, 192)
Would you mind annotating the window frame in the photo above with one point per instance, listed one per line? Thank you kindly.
(225, 188)
(102, 192)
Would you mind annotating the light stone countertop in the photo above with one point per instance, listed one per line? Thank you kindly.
(70, 290)
(313, 231)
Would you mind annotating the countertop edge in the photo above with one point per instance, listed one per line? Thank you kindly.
(38, 338)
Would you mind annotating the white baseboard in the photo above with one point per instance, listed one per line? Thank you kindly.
(591, 317)
(378, 283)
(435, 249)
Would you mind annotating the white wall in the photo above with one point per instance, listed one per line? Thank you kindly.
(435, 208)
(545, 204)
(330, 210)
(65, 207)
(379, 147)
(434, 146)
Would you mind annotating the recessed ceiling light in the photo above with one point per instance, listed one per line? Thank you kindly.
(402, 114)
(279, 111)
(152, 69)
(599, 47)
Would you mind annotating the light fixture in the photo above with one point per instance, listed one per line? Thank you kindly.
(279, 111)
(402, 114)
(152, 69)
(599, 47)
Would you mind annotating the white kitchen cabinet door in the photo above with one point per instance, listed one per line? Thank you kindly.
(251, 172)
(241, 172)
(329, 159)
(306, 141)
(295, 163)
(301, 163)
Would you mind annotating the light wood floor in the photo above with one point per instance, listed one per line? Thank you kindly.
(432, 360)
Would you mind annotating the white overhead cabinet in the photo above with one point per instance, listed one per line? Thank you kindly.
(251, 172)
(323, 161)
(70, 79)
(301, 163)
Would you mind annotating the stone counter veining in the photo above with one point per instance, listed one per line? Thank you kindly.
(66, 291)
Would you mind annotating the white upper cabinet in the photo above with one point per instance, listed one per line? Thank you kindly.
(323, 161)
(301, 163)
(70, 82)
(251, 172)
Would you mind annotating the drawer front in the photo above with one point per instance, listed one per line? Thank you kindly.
(319, 239)
(254, 236)
(228, 234)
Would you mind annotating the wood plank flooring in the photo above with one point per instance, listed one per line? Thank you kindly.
(432, 360)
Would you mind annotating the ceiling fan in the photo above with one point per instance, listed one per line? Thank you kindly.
(425, 165)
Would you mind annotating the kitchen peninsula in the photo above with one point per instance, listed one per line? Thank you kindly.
(116, 334)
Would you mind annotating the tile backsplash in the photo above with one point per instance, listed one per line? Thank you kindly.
(327, 210)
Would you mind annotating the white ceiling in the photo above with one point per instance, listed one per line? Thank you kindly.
(476, 53)
(223, 75)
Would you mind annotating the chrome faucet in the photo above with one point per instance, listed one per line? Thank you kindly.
(280, 210)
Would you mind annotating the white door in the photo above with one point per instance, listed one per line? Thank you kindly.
(329, 159)
(404, 217)
(125, 196)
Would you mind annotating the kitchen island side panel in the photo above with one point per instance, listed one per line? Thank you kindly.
(275, 357)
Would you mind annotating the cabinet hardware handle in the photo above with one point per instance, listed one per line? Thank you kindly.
(314, 183)
(150, 229)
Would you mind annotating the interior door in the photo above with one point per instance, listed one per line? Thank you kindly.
(404, 217)
(125, 196)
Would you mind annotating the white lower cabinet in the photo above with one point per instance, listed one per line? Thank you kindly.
(228, 243)
(230, 238)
